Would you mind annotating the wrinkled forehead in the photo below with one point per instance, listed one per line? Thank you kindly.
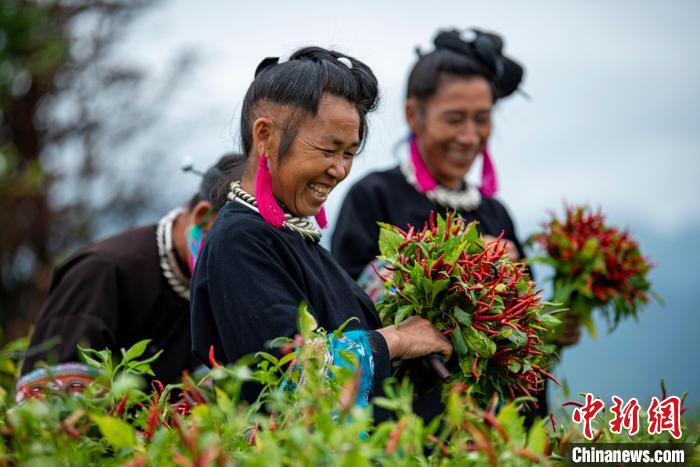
(336, 118)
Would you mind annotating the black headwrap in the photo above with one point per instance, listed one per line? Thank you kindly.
(487, 49)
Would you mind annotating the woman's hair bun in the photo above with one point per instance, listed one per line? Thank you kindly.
(487, 49)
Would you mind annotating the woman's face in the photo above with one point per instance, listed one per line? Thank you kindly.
(319, 158)
(452, 127)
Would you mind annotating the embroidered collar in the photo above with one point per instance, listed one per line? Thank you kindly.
(468, 199)
(169, 265)
(300, 225)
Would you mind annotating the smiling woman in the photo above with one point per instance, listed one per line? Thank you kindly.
(302, 123)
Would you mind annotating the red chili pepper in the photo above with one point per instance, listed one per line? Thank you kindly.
(212, 361)
(474, 362)
(491, 420)
(394, 436)
(544, 373)
(157, 386)
(481, 328)
(438, 262)
(487, 318)
(152, 422)
(120, 407)
(574, 403)
(251, 438)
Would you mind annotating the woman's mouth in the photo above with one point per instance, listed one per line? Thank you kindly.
(460, 157)
(319, 190)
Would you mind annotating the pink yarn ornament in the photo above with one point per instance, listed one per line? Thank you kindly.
(267, 204)
(489, 182)
(321, 218)
(425, 180)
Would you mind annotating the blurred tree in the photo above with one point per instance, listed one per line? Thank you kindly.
(69, 111)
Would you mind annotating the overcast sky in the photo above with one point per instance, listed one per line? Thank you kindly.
(613, 121)
(613, 118)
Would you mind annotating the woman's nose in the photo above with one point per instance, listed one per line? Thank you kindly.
(340, 167)
(468, 134)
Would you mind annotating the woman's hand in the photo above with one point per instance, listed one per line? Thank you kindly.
(415, 337)
(511, 250)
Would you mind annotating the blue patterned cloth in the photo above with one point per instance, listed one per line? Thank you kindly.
(356, 342)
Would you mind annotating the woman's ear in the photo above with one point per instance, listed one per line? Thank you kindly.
(202, 214)
(265, 138)
(414, 114)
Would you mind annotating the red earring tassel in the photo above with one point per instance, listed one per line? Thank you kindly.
(321, 218)
(489, 182)
(267, 204)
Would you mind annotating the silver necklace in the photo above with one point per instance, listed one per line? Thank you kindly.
(468, 199)
(299, 225)
(169, 266)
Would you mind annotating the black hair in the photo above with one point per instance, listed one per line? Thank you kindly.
(479, 55)
(300, 83)
(215, 181)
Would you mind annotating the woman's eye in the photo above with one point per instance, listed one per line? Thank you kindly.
(454, 119)
(350, 154)
(483, 119)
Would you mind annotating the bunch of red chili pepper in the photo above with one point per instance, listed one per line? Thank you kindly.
(473, 294)
(596, 266)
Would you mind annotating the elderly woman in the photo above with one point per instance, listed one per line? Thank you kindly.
(302, 123)
(126, 288)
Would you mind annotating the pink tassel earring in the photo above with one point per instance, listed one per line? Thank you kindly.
(267, 204)
(489, 183)
(321, 218)
(425, 180)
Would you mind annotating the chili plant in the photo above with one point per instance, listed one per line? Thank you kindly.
(472, 293)
(596, 267)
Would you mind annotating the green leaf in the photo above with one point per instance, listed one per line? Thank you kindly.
(349, 357)
(549, 320)
(389, 241)
(462, 317)
(269, 357)
(116, 431)
(402, 312)
(478, 342)
(417, 276)
(344, 325)
(514, 366)
(471, 234)
(458, 342)
(355, 459)
(437, 287)
(85, 356)
(516, 336)
(306, 322)
(223, 401)
(513, 424)
(537, 438)
(136, 350)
